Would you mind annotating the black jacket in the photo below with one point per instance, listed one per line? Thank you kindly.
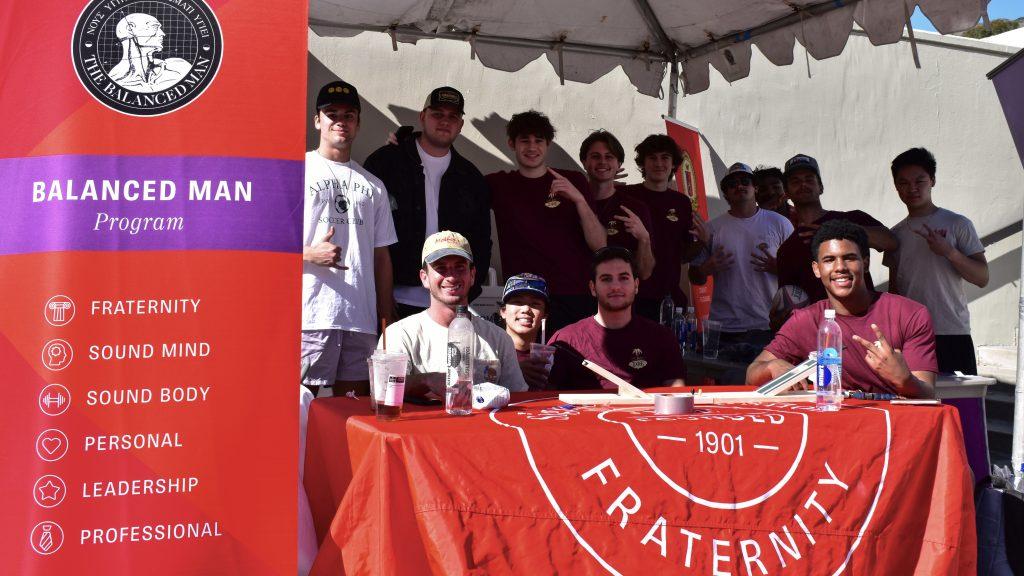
(464, 206)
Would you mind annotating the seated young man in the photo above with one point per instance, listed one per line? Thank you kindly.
(630, 346)
(524, 305)
(888, 340)
(448, 274)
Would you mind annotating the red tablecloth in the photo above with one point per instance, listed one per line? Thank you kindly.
(540, 488)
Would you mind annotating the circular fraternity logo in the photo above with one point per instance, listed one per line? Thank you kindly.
(146, 57)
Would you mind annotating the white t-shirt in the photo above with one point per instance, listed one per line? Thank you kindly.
(433, 169)
(426, 343)
(742, 295)
(930, 279)
(355, 202)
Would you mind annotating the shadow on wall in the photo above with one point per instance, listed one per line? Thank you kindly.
(1004, 269)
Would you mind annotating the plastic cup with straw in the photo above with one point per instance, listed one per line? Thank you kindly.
(542, 350)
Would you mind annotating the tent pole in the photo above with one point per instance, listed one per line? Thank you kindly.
(1017, 448)
(673, 88)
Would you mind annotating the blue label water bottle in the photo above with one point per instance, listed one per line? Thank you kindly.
(828, 390)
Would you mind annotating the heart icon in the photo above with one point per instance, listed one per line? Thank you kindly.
(51, 445)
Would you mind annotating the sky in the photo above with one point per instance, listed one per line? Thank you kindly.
(1009, 9)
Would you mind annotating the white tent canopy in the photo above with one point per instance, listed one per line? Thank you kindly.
(585, 39)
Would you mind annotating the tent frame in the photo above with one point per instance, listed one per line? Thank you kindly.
(665, 50)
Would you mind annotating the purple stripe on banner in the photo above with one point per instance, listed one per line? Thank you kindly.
(55, 203)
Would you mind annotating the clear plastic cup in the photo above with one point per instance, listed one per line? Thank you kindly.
(374, 392)
(389, 371)
(545, 353)
(711, 333)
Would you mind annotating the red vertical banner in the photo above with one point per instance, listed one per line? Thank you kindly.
(150, 285)
(690, 179)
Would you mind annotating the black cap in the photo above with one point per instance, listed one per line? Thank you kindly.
(338, 92)
(802, 162)
(446, 96)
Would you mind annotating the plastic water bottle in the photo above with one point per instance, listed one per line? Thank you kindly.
(665, 311)
(691, 330)
(828, 389)
(679, 327)
(458, 397)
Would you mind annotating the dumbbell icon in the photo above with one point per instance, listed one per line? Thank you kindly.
(54, 400)
(59, 310)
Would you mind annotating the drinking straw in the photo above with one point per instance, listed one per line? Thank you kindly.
(384, 334)
(543, 330)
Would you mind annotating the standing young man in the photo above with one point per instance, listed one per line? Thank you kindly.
(346, 270)
(544, 219)
(447, 273)
(771, 191)
(740, 254)
(658, 157)
(627, 220)
(939, 249)
(432, 187)
(888, 342)
(524, 306)
(632, 347)
(804, 188)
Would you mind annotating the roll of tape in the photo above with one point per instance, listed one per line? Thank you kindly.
(673, 403)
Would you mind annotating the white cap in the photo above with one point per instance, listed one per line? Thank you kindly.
(830, 314)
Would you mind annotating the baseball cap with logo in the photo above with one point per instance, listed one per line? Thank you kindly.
(446, 243)
(737, 168)
(525, 283)
(801, 162)
(338, 92)
(446, 96)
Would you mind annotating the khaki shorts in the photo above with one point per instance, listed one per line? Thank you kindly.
(335, 355)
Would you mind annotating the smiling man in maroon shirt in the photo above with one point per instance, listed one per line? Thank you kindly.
(545, 221)
(632, 347)
(888, 340)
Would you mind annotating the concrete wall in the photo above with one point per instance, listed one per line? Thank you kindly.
(854, 114)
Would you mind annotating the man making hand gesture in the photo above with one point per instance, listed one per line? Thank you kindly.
(888, 342)
(346, 269)
(939, 250)
(739, 254)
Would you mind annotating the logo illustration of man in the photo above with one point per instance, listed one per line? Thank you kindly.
(141, 37)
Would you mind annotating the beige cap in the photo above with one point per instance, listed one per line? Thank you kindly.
(446, 243)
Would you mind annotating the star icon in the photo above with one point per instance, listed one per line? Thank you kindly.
(49, 491)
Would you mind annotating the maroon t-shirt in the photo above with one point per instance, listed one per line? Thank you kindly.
(607, 210)
(643, 353)
(537, 239)
(671, 218)
(905, 324)
(794, 256)
(522, 355)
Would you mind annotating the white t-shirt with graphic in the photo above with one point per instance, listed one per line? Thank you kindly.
(742, 295)
(426, 343)
(355, 202)
(433, 169)
(927, 278)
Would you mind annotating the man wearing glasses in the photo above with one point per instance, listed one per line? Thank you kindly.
(740, 255)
